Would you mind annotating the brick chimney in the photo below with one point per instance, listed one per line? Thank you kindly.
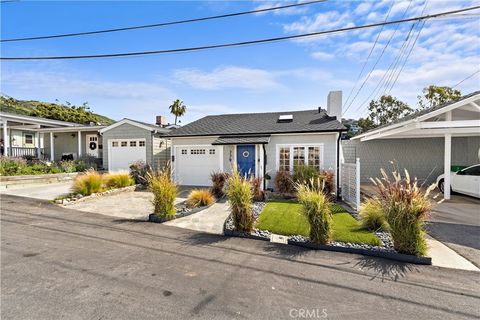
(161, 121)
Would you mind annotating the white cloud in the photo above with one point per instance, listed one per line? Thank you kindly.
(320, 55)
(321, 21)
(227, 77)
(363, 7)
(138, 100)
(281, 12)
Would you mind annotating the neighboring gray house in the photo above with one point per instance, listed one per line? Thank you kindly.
(127, 141)
(114, 147)
(258, 143)
(427, 143)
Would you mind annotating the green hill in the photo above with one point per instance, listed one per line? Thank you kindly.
(55, 111)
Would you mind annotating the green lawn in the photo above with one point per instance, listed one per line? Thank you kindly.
(285, 217)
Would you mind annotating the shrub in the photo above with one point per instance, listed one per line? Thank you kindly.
(372, 216)
(68, 166)
(89, 182)
(218, 183)
(284, 182)
(305, 174)
(316, 208)
(118, 180)
(200, 198)
(164, 193)
(258, 194)
(405, 207)
(240, 196)
(12, 166)
(140, 172)
(327, 177)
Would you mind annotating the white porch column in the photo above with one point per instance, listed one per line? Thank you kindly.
(79, 144)
(37, 143)
(6, 139)
(52, 147)
(447, 164)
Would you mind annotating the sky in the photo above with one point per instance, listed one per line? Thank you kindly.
(281, 76)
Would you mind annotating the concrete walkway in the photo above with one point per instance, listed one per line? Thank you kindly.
(443, 256)
(43, 191)
(208, 220)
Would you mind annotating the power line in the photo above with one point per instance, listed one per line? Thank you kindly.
(456, 85)
(368, 57)
(163, 24)
(378, 59)
(243, 43)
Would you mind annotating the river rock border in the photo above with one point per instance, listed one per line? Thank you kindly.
(385, 251)
(182, 211)
(74, 198)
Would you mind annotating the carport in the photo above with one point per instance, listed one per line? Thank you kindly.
(460, 118)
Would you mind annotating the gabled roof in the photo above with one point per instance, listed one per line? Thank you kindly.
(466, 102)
(260, 123)
(139, 124)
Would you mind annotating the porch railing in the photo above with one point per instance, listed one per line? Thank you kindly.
(23, 152)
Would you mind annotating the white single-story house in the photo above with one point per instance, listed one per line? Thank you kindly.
(113, 147)
(258, 143)
(426, 143)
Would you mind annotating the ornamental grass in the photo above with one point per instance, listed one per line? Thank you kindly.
(240, 195)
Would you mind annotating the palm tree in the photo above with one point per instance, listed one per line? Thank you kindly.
(178, 109)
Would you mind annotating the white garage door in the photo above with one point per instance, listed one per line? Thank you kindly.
(122, 152)
(194, 164)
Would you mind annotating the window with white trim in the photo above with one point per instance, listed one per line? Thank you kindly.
(123, 144)
(184, 151)
(197, 151)
(133, 143)
(290, 156)
(211, 151)
(284, 159)
(141, 143)
(114, 143)
(298, 156)
(314, 157)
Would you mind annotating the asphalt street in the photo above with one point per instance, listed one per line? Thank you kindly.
(59, 263)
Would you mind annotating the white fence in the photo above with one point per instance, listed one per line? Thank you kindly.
(350, 183)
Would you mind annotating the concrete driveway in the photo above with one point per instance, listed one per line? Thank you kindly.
(44, 191)
(457, 224)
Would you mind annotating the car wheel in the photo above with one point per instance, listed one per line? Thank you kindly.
(441, 185)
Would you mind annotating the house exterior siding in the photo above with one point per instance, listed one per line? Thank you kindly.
(66, 143)
(422, 157)
(328, 142)
(127, 131)
(161, 151)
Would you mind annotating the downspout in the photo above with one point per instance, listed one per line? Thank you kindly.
(264, 165)
(338, 166)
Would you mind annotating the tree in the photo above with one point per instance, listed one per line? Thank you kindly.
(386, 110)
(178, 109)
(435, 95)
(382, 111)
(366, 124)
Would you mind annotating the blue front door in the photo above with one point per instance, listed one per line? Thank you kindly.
(246, 160)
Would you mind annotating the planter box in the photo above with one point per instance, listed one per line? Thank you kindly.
(154, 218)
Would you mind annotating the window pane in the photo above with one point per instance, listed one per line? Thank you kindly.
(298, 156)
(114, 143)
(133, 143)
(314, 157)
(284, 159)
(123, 143)
(141, 143)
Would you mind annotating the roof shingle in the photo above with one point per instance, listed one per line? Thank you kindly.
(260, 123)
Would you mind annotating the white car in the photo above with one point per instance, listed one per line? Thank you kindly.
(466, 181)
